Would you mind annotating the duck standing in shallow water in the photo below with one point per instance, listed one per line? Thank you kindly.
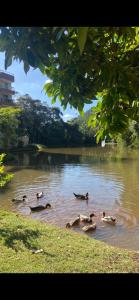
(81, 197)
(40, 207)
(20, 201)
(108, 219)
(89, 227)
(39, 195)
(73, 222)
(86, 219)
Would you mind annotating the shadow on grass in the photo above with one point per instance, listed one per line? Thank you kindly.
(19, 238)
(26, 237)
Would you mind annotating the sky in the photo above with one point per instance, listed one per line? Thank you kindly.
(32, 83)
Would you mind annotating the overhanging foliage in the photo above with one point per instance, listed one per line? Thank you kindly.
(83, 64)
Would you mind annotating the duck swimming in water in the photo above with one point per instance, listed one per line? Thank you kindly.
(39, 195)
(40, 207)
(108, 219)
(86, 219)
(81, 197)
(20, 201)
(73, 222)
(89, 227)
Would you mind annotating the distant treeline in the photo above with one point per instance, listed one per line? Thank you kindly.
(31, 121)
(41, 124)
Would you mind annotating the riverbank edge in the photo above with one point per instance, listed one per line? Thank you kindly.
(63, 250)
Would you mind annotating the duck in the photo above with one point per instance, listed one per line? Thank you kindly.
(39, 195)
(108, 219)
(73, 222)
(89, 227)
(82, 197)
(40, 207)
(86, 219)
(18, 200)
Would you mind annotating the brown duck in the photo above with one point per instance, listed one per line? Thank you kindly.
(73, 222)
(89, 227)
(86, 219)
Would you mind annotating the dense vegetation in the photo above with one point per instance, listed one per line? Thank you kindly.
(42, 125)
(83, 64)
(5, 178)
(8, 126)
(88, 133)
(130, 137)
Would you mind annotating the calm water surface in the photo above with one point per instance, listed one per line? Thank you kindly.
(110, 175)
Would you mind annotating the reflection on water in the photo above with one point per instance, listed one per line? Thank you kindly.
(110, 176)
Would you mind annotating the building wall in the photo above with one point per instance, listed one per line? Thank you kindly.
(6, 90)
(5, 84)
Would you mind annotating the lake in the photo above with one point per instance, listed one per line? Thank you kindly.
(110, 175)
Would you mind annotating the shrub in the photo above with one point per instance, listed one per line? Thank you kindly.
(5, 178)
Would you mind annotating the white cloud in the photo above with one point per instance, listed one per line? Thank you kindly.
(48, 81)
(67, 117)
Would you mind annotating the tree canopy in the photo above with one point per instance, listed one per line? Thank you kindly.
(44, 125)
(8, 126)
(83, 64)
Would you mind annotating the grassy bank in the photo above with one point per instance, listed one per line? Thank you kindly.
(64, 251)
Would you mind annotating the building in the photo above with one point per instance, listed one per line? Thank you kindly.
(6, 89)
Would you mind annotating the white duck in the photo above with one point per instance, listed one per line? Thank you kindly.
(108, 219)
(39, 195)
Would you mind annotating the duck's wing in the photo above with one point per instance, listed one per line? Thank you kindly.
(110, 218)
(84, 218)
(78, 195)
(18, 201)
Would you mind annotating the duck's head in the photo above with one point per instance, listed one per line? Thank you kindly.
(103, 213)
(48, 205)
(92, 215)
(37, 195)
(24, 197)
(13, 199)
(68, 225)
(87, 194)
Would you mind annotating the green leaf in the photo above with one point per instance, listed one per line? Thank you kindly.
(31, 59)
(81, 112)
(48, 88)
(53, 101)
(99, 136)
(59, 34)
(8, 60)
(91, 119)
(26, 67)
(82, 36)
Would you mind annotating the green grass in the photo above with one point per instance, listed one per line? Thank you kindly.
(64, 251)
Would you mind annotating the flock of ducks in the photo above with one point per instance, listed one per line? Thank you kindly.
(80, 218)
(34, 208)
(85, 219)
